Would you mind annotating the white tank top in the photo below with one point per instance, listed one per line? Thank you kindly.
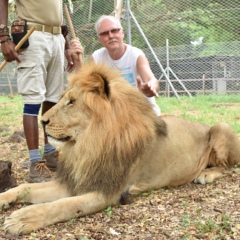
(127, 66)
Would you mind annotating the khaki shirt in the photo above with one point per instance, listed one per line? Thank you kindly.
(45, 12)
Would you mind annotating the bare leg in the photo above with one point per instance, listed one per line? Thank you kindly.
(30, 126)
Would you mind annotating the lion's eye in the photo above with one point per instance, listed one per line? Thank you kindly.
(70, 102)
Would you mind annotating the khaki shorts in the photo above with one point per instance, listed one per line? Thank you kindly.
(40, 72)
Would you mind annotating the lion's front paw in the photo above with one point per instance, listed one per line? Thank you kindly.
(21, 222)
(4, 204)
(8, 198)
(12, 226)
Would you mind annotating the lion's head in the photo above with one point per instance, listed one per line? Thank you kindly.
(105, 124)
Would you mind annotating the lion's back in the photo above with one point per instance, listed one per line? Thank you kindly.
(173, 159)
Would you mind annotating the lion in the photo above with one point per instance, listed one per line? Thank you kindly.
(113, 143)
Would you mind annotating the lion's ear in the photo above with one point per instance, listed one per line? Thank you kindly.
(100, 85)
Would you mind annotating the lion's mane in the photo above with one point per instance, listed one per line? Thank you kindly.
(120, 125)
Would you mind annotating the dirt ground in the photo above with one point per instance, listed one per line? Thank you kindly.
(192, 211)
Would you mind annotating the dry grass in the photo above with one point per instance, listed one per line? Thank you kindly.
(191, 211)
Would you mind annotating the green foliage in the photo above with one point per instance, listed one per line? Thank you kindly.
(206, 225)
(71, 222)
(109, 211)
(226, 222)
(24, 195)
(182, 22)
(33, 234)
(81, 237)
(185, 221)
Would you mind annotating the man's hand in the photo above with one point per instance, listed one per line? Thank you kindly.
(76, 47)
(70, 60)
(9, 53)
(77, 51)
(149, 89)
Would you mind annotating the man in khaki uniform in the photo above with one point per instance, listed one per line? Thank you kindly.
(40, 68)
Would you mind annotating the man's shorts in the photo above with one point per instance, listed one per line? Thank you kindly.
(40, 74)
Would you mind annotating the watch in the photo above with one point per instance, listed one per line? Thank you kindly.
(3, 30)
(2, 26)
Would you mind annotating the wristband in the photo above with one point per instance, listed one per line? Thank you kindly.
(5, 40)
(3, 30)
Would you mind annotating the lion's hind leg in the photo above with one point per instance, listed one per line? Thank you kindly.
(224, 146)
(223, 152)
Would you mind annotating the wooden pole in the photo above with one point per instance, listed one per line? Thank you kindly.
(118, 8)
(73, 33)
(18, 46)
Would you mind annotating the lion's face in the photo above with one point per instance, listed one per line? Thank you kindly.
(85, 103)
(69, 118)
(84, 120)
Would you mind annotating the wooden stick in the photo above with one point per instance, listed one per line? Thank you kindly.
(118, 9)
(18, 46)
(72, 32)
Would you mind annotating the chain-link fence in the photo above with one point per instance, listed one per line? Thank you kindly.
(193, 46)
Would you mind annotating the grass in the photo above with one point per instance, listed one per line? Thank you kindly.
(206, 109)
(11, 111)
